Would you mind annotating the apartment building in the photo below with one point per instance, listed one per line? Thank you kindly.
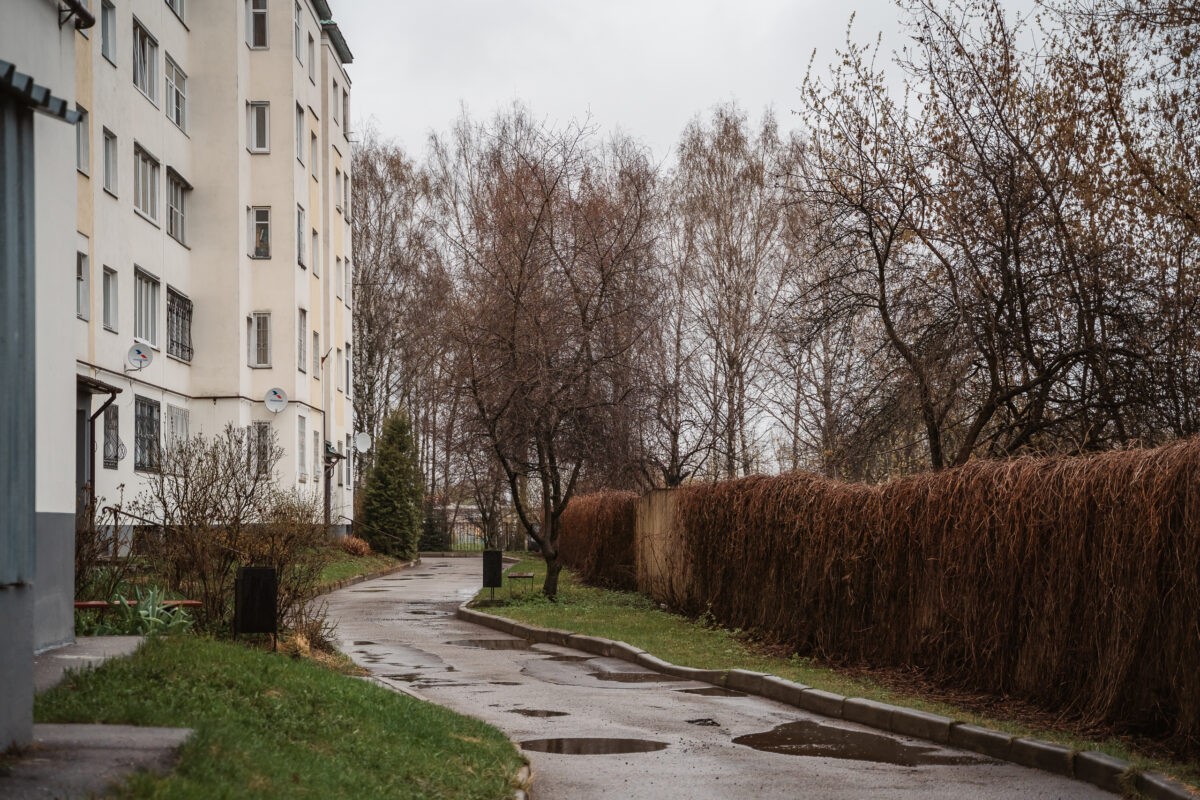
(190, 162)
(212, 237)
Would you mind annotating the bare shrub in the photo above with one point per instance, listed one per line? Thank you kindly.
(597, 539)
(216, 507)
(355, 546)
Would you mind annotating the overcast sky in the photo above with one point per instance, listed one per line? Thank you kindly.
(643, 66)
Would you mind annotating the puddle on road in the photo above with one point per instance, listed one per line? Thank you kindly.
(713, 691)
(704, 722)
(569, 658)
(635, 677)
(505, 683)
(492, 644)
(806, 738)
(537, 712)
(428, 613)
(580, 746)
(368, 590)
(363, 641)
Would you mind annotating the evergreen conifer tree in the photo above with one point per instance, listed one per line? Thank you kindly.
(392, 494)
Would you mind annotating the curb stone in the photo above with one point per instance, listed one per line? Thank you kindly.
(370, 576)
(1098, 769)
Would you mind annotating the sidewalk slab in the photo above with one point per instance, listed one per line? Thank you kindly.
(51, 666)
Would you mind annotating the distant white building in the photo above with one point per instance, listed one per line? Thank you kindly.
(199, 209)
(213, 231)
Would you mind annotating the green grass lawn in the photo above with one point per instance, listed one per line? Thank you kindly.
(343, 566)
(633, 618)
(271, 726)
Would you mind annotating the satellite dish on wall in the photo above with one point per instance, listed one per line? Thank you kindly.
(276, 400)
(139, 356)
(362, 441)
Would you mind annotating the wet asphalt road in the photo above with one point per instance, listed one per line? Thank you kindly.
(402, 628)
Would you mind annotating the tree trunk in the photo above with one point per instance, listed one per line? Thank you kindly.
(550, 587)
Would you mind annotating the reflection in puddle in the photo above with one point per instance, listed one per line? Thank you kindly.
(713, 691)
(569, 658)
(537, 712)
(505, 683)
(580, 746)
(807, 738)
(363, 641)
(634, 677)
(492, 644)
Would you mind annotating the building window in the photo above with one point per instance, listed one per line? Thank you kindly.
(302, 341)
(337, 186)
(345, 111)
(145, 308)
(112, 437)
(316, 254)
(110, 162)
(348, 461)
(312, 60)
(346, 195)
(338, 366)
(256, 23)
(177, 192)
(346, 370)
(296, 25)
(302, 448)
(145, 183)
(341, 469)
(258, 126)
(178, 7)
(312, 153)
(260, 232)
(82, 288)
(83, 141)
(339, 277)
(316, 355)
(299, 133)
(260, 447)
(108, 31)
(176, 94)
(333, 102)
(109, 288)
(349, 282)
(177, 425)
(179, 325)
(147, 424)
(145, 62)
(258, 334)
(300, 233)
(317, 457)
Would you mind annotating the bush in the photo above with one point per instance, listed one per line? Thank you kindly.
(352, 545)
(392, 492)
(597, 538)
(217, 508)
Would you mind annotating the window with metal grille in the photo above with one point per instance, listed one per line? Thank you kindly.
(179, 325)
(114, 449)
(146, 434)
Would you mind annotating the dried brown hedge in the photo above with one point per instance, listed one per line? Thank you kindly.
(597, 538)
(1073, 583)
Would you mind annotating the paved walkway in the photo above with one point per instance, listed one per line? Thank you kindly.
(402, 628)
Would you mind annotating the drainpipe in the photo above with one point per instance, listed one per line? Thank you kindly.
(84, 19)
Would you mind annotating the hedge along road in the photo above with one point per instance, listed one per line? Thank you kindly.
(643, 734)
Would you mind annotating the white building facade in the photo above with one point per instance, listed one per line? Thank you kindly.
(212, 233)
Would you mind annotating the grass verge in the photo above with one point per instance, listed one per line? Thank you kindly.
(634, 618)
(271, 726)
(343, 566)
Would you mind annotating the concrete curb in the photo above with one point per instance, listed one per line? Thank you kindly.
(1102, 770)
(370, 576)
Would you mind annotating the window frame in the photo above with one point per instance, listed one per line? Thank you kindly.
(108, 31)
(145, 52)
(181, 11)
(112, 436)
(83, 141)
(143, 159)
(177, 212)
(110, 299)
(252, 126)
(316, 253)
(147, 434)
(179, 325)
(301, 127)
(302, 447)
(254, 221)
(175, 91)
(258, 329)
(301, 233)
(312, 155)
(111, 158)
(83, 285)
(147, 289)
(312, 60)
(252, 15)
(302, 340)
(299, 40)
(316, 354)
